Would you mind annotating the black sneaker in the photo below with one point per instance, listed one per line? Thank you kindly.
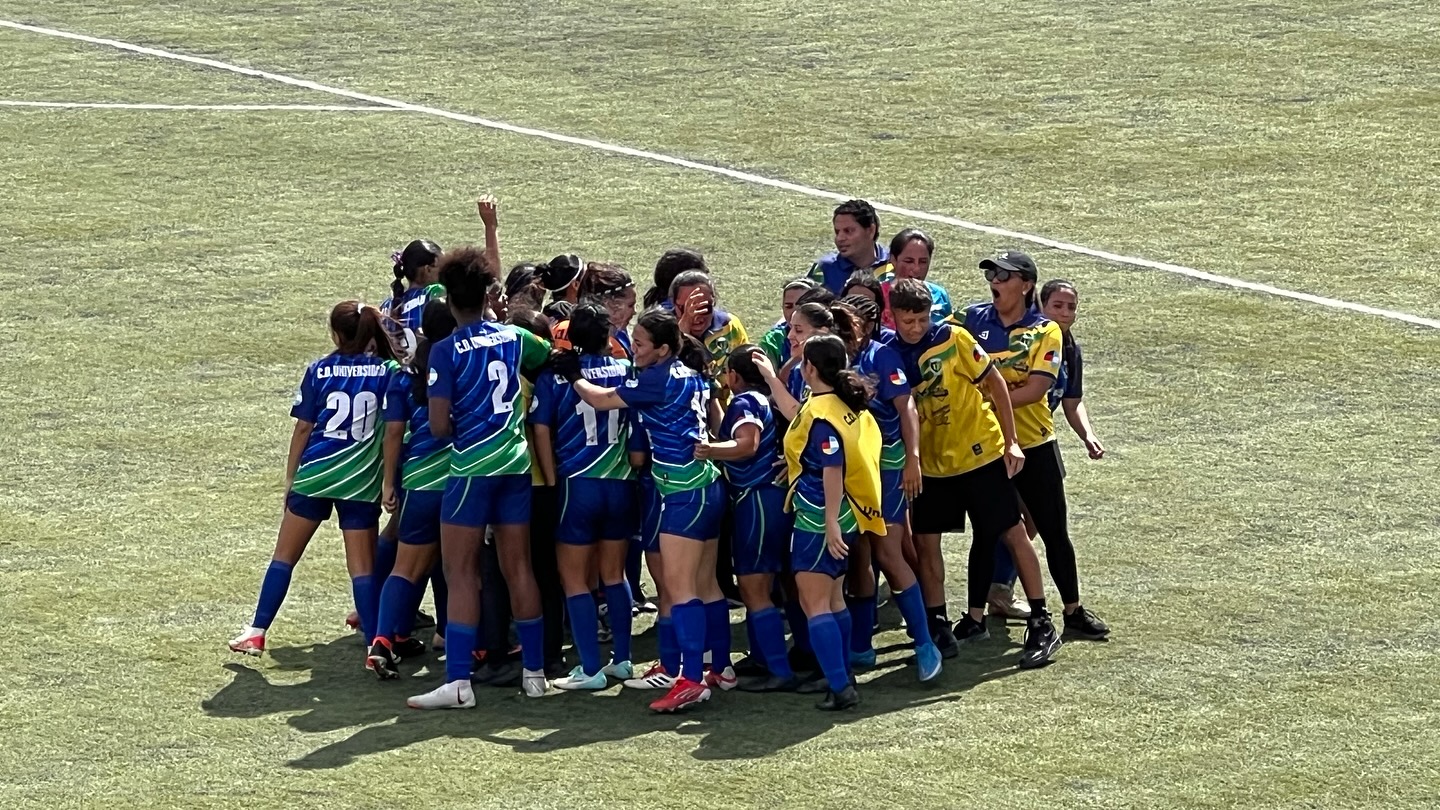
(945, 640)
(381, 660)
(751, 667)
(802, 661)
(846, 698)
(1041, 642)
(771, 683)
(407, 648)
(1084, 624)
(968, 631)
(503, 673)
(813, 686)
(423, 620)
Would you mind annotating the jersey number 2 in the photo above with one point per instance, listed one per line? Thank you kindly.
(499, 374)
(360, 412)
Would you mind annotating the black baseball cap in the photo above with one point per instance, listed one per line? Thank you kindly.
(1015, 262)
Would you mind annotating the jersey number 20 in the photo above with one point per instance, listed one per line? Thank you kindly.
(360, 412)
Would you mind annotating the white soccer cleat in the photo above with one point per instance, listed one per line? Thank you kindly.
(452, 695)
(724, 680)
(533, 683)
(251, 641)
(654, 678)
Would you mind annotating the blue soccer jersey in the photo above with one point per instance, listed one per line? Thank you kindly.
(671, 401)
(882, 365)
(822, 449)
(407, 313)
(587, 443)
(425, 463)
(341, 395)
(752, 408)
(478, 370)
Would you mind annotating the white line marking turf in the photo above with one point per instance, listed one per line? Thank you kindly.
(89, 105)
(744, 177)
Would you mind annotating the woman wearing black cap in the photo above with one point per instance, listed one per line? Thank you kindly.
(561, 277)
(1027, 350)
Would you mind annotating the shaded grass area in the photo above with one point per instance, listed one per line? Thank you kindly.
(1262, 537)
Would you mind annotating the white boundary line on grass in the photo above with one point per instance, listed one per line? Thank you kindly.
(88, 105)
(745, 177)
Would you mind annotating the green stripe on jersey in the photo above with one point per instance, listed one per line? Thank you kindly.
(350, 474)
(673, 478)
(506, 452)
(892, 456)
(613, 464)
(428, 473)
(810, 517)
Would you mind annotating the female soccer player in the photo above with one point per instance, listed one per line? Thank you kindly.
(857, 227)
(672, 263)
(671, 397)
(587, 451)
(749, 453)
(1058, 301)
(968, 456)
(610, 285)
(336, 469)
(812, 319)
(900, 479)
(693, 294)
(561, 277)
(474, 388)
(775, 340)
(832, 456)
(414, 286)
(911, 251)
(417, 465)
(1027, 350)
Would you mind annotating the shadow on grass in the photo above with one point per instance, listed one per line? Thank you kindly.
(339, 694)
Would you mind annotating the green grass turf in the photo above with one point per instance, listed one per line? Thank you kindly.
(1262, 536)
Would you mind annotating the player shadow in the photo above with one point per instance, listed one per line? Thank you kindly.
(338, 694)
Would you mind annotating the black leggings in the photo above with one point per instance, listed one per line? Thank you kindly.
(495, 596)
(1041, 484)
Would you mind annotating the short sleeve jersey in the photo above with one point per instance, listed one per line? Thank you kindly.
(341, 395)
(477, 369)
(1031, 346)
(958, 428)
(670, 401)
(882, 366)
(588, 443)
(822, 449)
(425, 463)
(752, 408)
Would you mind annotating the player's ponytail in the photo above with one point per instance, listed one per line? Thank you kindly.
(831, 360)
(361, 330)
(694, 354)
(847, 326)
(868, 312)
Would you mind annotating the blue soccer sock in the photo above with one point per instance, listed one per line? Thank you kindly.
(799, 626)
(862, 615)
(847, 630)
(584, 625)
(912, 607)
(385, 551)
(830, 650)
(753, 646)
(532, 639)
(669, 646)
(273, 588)
(460, 640)
(619, 602)
(717, 634)
(367, 605)
(768, 629)
(690, 632)
(395, 600)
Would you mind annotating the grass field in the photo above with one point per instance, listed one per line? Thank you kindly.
(1262, 535)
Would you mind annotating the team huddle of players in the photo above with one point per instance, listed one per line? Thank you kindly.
(545, 447)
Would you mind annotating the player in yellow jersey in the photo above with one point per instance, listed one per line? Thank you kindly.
(1027, 348)
(968, 455)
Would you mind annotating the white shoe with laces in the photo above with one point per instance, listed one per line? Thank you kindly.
(654, 678)
(452, 695)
